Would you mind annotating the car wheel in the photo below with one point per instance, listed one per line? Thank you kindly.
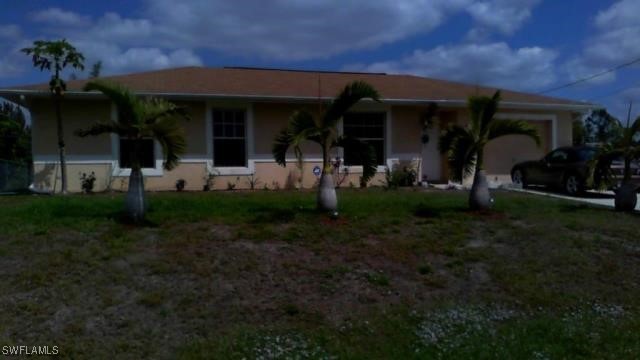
(573, 185)
(518, 178)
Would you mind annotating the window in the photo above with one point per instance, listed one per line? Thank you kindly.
(146, 153)
(558, 156)
(368, 127)
(229, 138)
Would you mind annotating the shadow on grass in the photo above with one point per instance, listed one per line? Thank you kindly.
(120, 217)
(438, 211)
(273, 216)
(427, 211)
(568, 208)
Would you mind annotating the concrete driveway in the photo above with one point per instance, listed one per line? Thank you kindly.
(602, 198)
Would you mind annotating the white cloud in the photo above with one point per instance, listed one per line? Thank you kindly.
(622, 13)
(295, 29)
(618, 105)
(10, 32)
(495, 64)
(117, 60)
(13, 63)
(506, 16)
(168, 32)
(58, 17)
(617, 41)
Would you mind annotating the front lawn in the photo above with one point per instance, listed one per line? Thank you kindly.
(400, 274)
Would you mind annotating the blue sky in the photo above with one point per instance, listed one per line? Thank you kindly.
(526, 45)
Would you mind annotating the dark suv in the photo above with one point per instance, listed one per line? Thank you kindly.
(567, 168)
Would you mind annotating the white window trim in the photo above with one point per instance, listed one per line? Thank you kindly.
(116, 170)
(249, 140)
(389, 159)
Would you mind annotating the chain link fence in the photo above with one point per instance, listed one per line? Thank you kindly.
(14, 176)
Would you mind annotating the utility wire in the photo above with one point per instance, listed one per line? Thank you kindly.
(617, 91)
(591, 77)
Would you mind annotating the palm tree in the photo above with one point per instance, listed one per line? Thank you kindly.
(465, 145)
(57, 54)
(322, 129)
(139, 119)
(628, 147)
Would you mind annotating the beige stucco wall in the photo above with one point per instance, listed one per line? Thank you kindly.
(195, 129)
(76, 115)
(269, 119)
(406, 130)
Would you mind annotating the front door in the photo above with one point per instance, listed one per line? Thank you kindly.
(431, 158)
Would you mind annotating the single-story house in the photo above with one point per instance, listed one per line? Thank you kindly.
(237, 112)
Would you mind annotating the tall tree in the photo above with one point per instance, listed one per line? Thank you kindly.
(578, 133)
(322, 129)
(15, 134)
(96, 69)
(140, 119)
(464, 146)
(601, 127)
(55, 56)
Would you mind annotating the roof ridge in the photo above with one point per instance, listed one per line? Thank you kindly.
(303, 70)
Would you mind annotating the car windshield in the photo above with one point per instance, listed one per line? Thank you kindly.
(586, 154)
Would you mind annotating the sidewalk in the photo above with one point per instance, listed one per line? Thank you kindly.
(601, 198)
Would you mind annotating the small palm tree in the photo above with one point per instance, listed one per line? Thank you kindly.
(139, 119)
(627, 146)
(465, 145)
(55, 56)
(322, 129)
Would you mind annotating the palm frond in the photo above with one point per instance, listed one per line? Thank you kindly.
(461, 147)
(155, 109)
(462, 158)
(482, 110)
(281, 145)
(101, 128)
(125, 101)
(301, 127)
(449, 135)
(349, 96)
(504, 127)
(168, 132)
(361, 152)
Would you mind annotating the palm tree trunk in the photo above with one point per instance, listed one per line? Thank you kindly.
(627, 170)
(136, 205)
(479, 196)
(626, 197)
(61, 145)
(327, 198)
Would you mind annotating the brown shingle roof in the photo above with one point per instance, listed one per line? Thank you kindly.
(275, 83)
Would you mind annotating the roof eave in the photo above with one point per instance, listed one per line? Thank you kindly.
(15, 94)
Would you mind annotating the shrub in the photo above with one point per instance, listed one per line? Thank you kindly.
(405, 176)
(180, 184)
(87, 182)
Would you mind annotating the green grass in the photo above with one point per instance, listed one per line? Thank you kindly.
(400, 274)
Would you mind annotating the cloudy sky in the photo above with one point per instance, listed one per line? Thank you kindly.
(527, 45)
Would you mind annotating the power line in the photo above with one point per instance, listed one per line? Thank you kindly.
(617, 91)
(591, 77)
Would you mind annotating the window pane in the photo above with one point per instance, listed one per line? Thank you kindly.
(378, 148)
(217, 130)
(229, 148)
(229, 152)
(239, 130)
(368, 127)
(146, 153)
